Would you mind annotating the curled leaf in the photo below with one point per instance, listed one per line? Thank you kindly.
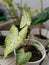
(26, 19)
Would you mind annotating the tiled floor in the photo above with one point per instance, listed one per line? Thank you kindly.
(8, 61)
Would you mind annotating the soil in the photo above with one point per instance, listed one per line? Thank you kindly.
(2, 40)
(36, 54)
(40, 36)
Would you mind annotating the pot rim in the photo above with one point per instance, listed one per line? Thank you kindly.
(4, 32)
(44, 32)
(42, 54)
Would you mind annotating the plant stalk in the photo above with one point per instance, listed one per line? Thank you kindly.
(41, 8)
(41, 5)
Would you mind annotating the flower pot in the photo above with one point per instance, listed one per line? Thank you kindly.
(40, 26)
(46, 24)
(40, 48)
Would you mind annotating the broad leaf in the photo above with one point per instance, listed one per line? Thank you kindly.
(41, 17)
(22, 57)
(23, 32)
(26, 19)
(12, 43)
(14, 31)
(13, 40)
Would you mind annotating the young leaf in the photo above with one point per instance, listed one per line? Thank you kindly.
(35, 44)
(22, 57)
(13, 40)
(26, 19)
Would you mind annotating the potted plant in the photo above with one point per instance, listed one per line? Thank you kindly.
(29, 54)
(38, 21)
(41, 33)
(40, 18)
(15, 40)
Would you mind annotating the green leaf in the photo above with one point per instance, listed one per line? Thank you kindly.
(41, 17)
(13, 12)
(22, 57)
(13, 40)
(26, 19)
(23, 32)
(14, 30)
(35, 44)
(24, 7)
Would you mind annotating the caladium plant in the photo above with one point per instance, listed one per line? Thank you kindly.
(22, 57)
(14, 39)
(26, 19)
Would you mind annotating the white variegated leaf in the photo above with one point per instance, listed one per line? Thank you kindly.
(22, 57)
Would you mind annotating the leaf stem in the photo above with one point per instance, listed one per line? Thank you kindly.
(41, 5)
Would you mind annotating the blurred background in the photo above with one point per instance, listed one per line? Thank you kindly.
(33, 4)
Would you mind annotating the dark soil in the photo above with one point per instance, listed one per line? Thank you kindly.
(40, 36)
(2, 40)
(1, 12)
